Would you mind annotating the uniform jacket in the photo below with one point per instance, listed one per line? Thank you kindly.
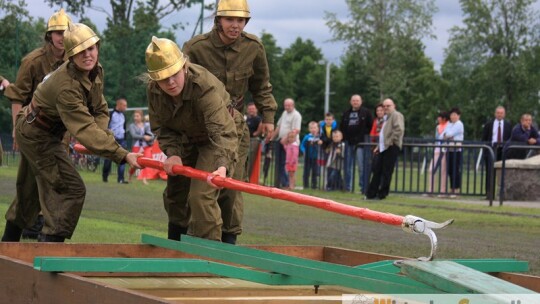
(198, 115)
(393, 130)
(68, 96)
(240, 66)
(34, 67)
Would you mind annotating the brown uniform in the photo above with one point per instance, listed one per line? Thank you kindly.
(240, 66)
(33, 69)
(197, 126)
(67, 99)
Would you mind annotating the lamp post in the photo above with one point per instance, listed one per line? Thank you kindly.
(327, 89)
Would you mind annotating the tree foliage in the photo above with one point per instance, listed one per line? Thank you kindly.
(488, 60)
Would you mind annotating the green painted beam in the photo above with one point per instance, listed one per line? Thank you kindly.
(126, 265)
(325, 273)
(454, 278)
(483, 265)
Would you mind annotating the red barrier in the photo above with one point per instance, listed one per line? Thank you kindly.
(229, 183)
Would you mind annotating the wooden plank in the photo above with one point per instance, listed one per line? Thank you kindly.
(454, 278)
(20, 283)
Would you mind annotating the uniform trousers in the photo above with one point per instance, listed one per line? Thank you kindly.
(46, 181)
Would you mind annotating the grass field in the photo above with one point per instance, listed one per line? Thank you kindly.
(117, 213)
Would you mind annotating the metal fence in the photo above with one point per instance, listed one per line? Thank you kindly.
(420, 168)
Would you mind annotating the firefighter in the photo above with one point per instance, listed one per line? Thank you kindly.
(71, 98)
(33, 69)
(190, 113)
(238, 60)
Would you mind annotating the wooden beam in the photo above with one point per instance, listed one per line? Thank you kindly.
(20, 283)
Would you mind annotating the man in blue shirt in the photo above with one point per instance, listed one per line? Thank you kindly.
(117, 124)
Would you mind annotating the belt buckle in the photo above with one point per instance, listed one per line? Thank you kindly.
(32, 120)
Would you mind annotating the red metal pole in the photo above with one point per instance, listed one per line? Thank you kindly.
(229, 183)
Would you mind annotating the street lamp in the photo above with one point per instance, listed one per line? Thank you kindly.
(327, 89)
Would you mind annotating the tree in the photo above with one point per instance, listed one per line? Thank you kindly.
(376, 32)
(20, 35)
(305, 72)
(488, 59)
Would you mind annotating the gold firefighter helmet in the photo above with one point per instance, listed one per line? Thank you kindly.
(58, 21)
(233, 8)
(163, 58)
(77, 38)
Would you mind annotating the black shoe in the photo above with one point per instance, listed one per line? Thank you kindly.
(123, 182)
(105, 180)
(228, 238)
(175, 232)
(12, 233)
(50, 238)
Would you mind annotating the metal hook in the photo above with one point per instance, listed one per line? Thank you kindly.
(418, 225)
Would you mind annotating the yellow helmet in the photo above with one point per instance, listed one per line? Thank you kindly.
(163, 58)
(77, 38)
(233, 8)
(58, 21)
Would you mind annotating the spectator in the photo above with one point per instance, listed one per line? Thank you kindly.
(355, 125)
(336, 156)
(377, 123)
(496, 132)
(117, 124)
(290, 121)
(310, 148)
(142, 141)
(291, 154)
(386, 152)
(439, 156)
(522, 134)
(454, 133)
(327, 126)
(255, 126)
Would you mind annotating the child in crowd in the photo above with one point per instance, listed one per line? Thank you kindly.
(310, 148)
(334, 163)
(291, 158)
(327, 126)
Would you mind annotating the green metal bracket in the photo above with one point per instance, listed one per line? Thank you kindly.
(325, 273)
(454, 278)
(126, 265)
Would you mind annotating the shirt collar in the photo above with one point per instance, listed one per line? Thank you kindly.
(218, 43)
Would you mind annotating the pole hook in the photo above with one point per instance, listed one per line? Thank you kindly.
(418, 225)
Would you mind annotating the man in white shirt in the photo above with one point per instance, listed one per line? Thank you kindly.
(290, 121)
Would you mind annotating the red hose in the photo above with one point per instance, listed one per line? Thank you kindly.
(229, 183)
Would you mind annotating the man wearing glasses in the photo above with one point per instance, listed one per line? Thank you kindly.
(387, 151)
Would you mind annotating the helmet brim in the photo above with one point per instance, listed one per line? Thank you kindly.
(168, 71)
(81, 47)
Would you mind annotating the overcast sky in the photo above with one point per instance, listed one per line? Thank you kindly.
(288, 19)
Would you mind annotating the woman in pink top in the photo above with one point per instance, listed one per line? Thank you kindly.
(291, 158)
